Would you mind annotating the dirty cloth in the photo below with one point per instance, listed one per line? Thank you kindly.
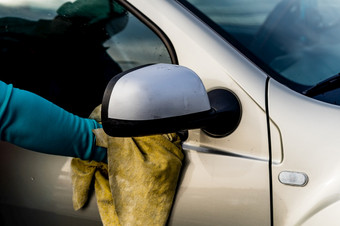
(138, 184)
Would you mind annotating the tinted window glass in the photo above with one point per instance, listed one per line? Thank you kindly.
(299, 40)
(67, 51)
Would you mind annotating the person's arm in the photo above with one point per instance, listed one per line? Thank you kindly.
(30, 121)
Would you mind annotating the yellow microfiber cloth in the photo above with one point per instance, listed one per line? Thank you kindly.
(138, 184)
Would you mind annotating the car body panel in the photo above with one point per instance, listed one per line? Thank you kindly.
(305, 152)
(213, 191)
(36, 189)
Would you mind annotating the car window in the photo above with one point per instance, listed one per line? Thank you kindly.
(296, 41)
(67, 51)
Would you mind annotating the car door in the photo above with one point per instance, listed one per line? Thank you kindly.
(225, 180)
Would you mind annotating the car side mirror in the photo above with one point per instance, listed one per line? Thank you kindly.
(165, 98)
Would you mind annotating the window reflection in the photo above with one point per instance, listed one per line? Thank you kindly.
(59, 53)
(299, 39)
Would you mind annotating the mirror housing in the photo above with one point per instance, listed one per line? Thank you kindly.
(165, 98)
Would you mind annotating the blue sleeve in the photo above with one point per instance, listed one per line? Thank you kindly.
(30, 121)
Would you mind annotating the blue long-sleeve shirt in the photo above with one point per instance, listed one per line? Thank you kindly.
(30, 121)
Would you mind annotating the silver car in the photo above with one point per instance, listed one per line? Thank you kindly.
(276, 161)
